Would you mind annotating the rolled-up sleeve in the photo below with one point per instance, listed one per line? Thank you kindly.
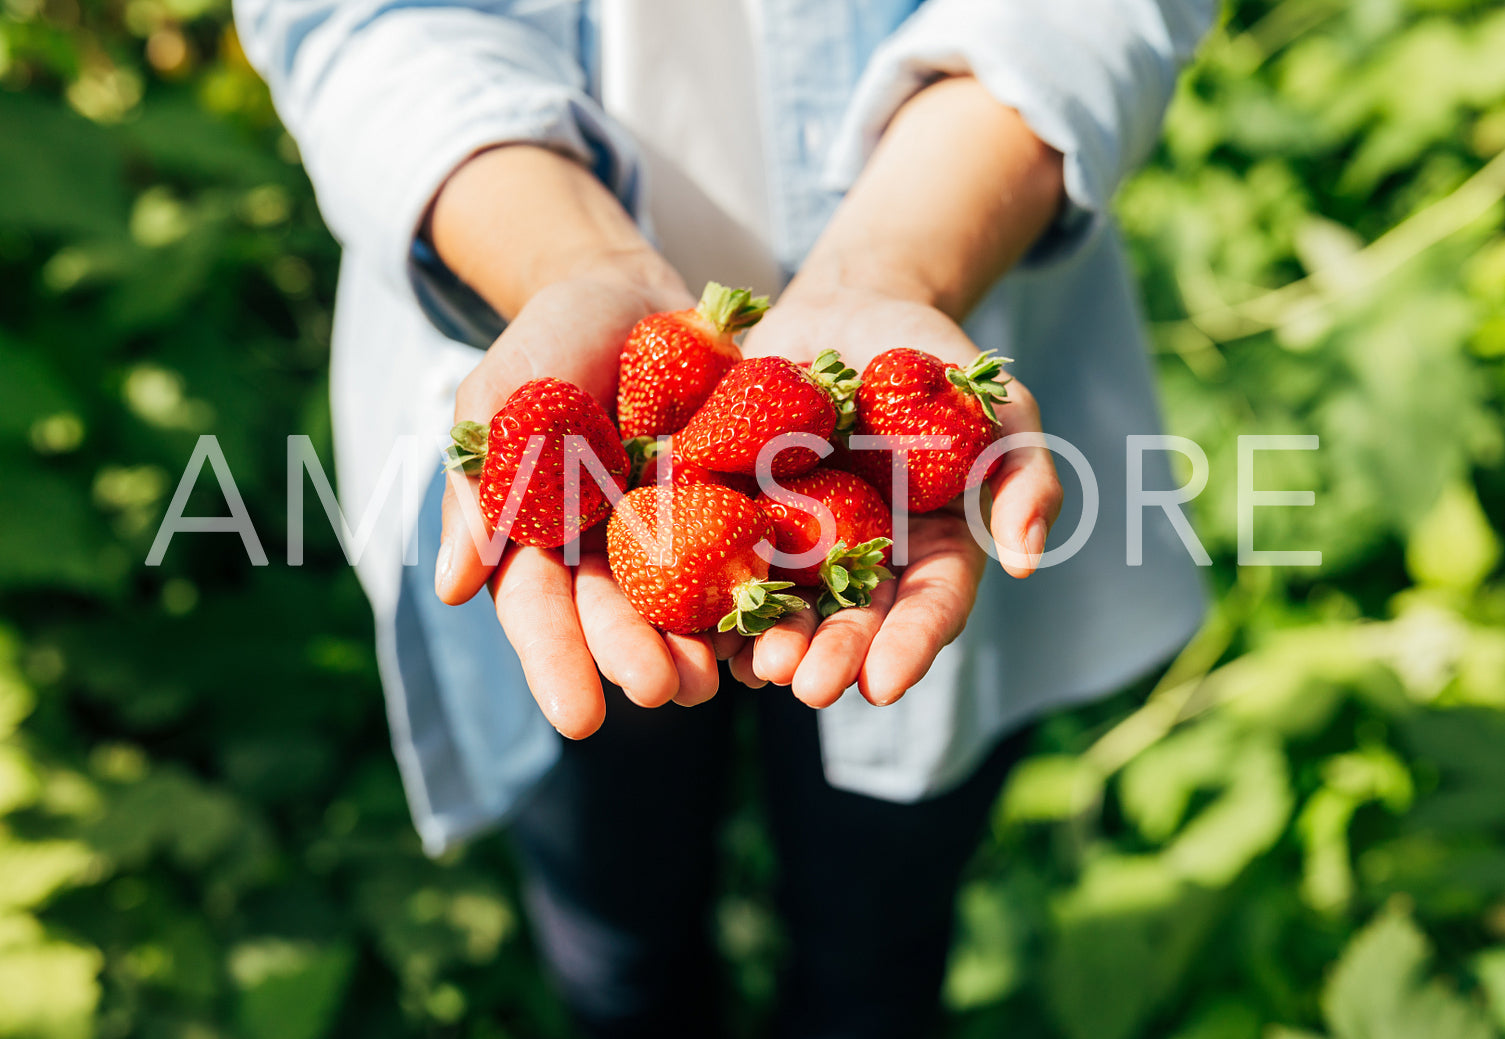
(1092, 78)
(385, 100)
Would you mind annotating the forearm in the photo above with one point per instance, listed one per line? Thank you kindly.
(955, 193)
(515, 219)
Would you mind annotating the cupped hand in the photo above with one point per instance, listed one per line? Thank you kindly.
(564, 622)
(887, 648)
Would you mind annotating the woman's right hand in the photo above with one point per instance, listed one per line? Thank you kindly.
(565, 622)
(547, 246)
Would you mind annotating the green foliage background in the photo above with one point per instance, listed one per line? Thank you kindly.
(1298, 833)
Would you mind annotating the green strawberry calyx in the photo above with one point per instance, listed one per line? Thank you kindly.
(841, 382)
(981, 380)
(731, 310)
(851, 574)
(759, 606)
(640, 451)
(467, 449)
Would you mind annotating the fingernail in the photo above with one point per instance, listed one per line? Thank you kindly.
(1034, 542)
(442, 566)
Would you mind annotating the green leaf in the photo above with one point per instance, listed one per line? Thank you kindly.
(1156, 788)
(731, 310)
(181, 139)
(1124, 937)
(62, 174)
(1048, 788)
(1489, 968)
(19, 783)
(1379, 990)
(51, 988)
(288, 990)
(851, 574)
(841, 383)
(989, 958)
(53, 535)
(30, 391)
(1242, 822)
(36, 870)
(467, 449)
(1225, 1019)
(1453, 545)
(759, 606)
(983, 379)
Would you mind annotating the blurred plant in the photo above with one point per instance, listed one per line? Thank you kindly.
(201, 831)
(1320, 242)
(1297, 832)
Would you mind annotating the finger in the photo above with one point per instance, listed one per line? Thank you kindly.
(778, 651)
(1026, 502)
(627, 649)
(535, 603)
(1026, 491)
(741, 666)
(727, 644)
(468, 555)
(839, 647)
(696, 663)
(931, 603)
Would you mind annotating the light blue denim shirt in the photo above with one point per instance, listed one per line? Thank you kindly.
(387, 97)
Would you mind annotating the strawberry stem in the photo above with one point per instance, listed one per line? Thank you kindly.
(467, 449)
(981, 380)
(851, 574)
(841, 382)
(640, 451)
(759, 605)
(731, 310)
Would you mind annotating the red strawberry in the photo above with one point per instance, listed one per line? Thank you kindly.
(912, 393)
(645, 453)
(553, 409)
(673, 360)
(854, 565)
(706, 575)
(762, 398)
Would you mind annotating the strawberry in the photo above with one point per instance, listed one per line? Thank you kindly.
(553, 409)
(645, 453)
(912, 393)
(762, 398)
(673, 360)
(855, 563)
(705, 574)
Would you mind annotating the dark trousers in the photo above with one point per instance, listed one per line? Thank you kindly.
(619, 847)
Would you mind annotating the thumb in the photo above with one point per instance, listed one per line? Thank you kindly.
(468, 551)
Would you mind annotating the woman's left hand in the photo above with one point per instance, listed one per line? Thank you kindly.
(887, 647)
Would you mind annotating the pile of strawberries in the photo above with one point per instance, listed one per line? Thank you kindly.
(693, 419)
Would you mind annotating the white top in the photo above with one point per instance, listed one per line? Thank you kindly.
(702, 149)
(387, 97)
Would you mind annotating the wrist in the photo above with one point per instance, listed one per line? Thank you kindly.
(640, 270)
(916, 228)
(865, 270)
(514, 219)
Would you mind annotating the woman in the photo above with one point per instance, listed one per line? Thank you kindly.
(537, 176)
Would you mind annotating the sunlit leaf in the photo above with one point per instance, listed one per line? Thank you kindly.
(1379, 989)
(1124, 935)
(1046, 788)
(1453, 546)
(50, 990)
(1489, 967)
(288, 990)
